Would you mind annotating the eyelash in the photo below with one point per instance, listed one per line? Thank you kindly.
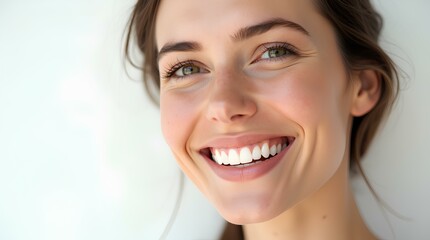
(171, 70)
(292, 51)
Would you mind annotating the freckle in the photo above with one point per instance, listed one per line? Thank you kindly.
(324, 217)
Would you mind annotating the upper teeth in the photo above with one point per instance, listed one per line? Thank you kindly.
(248, 153)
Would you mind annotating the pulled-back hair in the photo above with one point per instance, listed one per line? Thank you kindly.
(357, 26)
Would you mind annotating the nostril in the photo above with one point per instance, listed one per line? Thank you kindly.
(237, 116)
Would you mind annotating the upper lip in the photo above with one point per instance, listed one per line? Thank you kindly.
(239, 140)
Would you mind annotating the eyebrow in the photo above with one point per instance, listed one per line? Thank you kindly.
(179, 47)
(241, 35)
(265, 26)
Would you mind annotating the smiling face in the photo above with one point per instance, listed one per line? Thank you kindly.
(255, 101)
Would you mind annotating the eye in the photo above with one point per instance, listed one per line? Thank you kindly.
(276, 51)
(186, 70)
(183, 69)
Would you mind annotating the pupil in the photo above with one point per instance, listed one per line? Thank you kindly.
(276, 52)
(189, 70)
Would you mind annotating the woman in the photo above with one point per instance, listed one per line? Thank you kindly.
(266, 105)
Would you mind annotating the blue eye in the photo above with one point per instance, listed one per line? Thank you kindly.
(278, 51)
(183, 69)
(275, 52)
(186, 70)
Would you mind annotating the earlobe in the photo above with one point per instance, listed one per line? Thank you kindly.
(367, 91)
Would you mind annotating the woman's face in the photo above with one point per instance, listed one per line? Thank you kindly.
(255, 101)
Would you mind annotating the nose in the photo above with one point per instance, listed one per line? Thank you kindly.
(230, 101)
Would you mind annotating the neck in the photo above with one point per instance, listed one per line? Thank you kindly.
(329, 213)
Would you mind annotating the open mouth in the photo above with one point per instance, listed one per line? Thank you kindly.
(249, 154)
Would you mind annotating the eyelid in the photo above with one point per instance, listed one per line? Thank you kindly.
(268, 46)
(170, 71)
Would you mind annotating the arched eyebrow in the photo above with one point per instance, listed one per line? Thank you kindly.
(179, 47)
(260, 28)
(241, 35)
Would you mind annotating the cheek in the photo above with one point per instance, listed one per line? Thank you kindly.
(309, 96)
(315, 99)
(179, 115)
(176, 121)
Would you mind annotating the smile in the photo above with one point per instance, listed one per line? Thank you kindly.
(249, 161)
(249, 154)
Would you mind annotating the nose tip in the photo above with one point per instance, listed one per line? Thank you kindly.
(226, 112)
(230, 104)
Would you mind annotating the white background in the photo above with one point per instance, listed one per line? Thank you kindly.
(81, 153)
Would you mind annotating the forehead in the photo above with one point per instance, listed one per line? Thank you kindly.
(203, 19)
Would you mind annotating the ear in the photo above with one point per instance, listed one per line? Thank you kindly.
(367, 91)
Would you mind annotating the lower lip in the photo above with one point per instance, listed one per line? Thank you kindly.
(246, 173)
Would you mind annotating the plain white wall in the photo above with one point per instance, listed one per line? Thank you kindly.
(81, 153)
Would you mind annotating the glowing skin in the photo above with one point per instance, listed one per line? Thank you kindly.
(236, 93)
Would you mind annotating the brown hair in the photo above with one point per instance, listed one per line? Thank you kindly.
(358, 27)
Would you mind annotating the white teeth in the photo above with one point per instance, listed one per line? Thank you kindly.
(224, 158)
(256, 153)
(245, 155)
(265, 152)
(273, 150)
(217, 157)
(233, 157)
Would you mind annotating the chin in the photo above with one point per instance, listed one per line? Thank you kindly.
(249, 217)
(250, 213)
